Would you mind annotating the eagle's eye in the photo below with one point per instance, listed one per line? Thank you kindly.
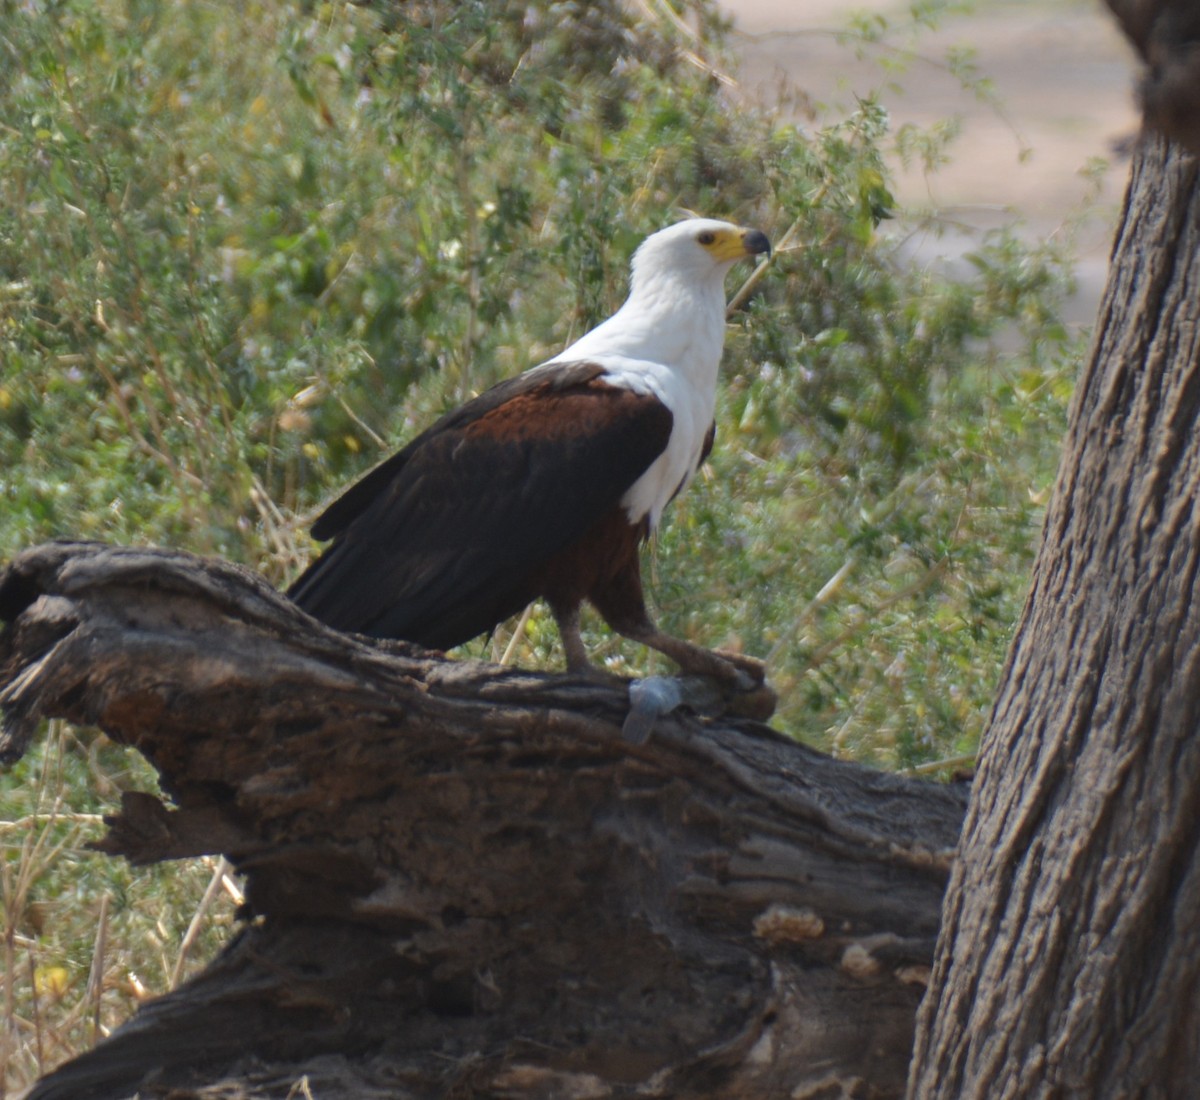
(707, 237)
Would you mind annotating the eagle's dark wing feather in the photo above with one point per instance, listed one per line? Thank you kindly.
(342, 512)
(446, 538)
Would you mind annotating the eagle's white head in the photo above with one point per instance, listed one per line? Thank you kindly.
(696, 251)
(675, 312)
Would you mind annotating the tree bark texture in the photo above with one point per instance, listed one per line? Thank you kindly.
(463, 881)
(1069, 957)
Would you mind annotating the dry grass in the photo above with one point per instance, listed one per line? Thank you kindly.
(86, 938)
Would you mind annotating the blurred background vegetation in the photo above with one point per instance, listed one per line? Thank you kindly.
(247, 250)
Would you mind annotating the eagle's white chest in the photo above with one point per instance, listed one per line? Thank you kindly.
(692, 407)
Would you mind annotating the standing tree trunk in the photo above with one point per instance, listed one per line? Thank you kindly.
(1069, 958)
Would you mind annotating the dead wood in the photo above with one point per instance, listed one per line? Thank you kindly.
(462, 880)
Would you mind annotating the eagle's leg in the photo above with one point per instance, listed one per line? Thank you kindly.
(568, 629)
(623, 607)
(741, 672)
(567, 617)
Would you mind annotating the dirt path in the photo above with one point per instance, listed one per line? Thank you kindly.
(1063, 74)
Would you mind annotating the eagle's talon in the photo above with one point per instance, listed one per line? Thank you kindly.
(751, 673)
(752, 696)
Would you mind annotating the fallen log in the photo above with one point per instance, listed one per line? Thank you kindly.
(463, 880)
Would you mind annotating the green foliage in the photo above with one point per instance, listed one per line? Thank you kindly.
(245, 250)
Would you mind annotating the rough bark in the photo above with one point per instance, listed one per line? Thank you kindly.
(1069, 957)
(464, 881)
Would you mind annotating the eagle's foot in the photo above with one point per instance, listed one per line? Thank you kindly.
(748, 694)
(733, 670)
(744, 679)
(750, 672)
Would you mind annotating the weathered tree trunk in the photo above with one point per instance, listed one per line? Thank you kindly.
(463, 881)
(1069, 958)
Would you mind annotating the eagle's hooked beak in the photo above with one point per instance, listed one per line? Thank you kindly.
(728, 245)
(754, 241)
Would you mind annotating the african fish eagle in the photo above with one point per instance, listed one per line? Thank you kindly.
(547, 483)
